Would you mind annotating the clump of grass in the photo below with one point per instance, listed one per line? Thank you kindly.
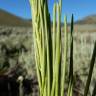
(48, 50)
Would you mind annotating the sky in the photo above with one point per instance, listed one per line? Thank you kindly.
(80, 8)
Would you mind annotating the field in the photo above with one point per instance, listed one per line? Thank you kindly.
(16, 48)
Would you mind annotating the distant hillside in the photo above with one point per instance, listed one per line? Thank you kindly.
(9, 19)
(87, 20)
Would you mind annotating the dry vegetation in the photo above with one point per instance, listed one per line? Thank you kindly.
(14, 37)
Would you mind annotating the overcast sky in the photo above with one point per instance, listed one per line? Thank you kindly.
(80, 8)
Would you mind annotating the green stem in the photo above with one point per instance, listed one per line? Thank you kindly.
(65, 56)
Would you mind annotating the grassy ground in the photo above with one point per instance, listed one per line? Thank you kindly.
(16, 43)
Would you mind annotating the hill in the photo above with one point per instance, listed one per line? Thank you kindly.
(87, 20)
(9, 19)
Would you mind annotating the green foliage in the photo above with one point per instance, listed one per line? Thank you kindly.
(49, 53)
